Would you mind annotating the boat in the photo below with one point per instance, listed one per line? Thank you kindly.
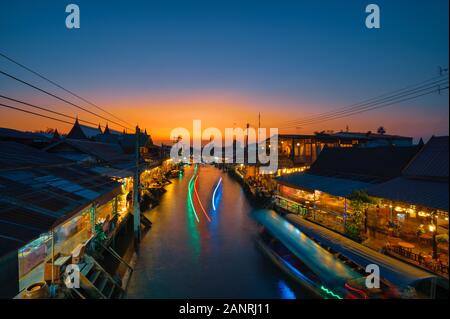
(175, 173)
(257, 195)
(324, 274)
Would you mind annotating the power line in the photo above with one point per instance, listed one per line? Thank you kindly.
(378, 98)
(422, 88)
(387, 99)
(34, 113)
(45, 109)
(377, 106)
(60, 98)
(62, 88)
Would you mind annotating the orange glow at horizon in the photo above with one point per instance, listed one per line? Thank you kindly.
(160, 114)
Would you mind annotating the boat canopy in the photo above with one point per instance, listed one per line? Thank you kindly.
(332, 271)
(397, 272)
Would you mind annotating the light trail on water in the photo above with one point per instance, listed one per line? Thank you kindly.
(198, 199)
(214, 194)
(190, 187)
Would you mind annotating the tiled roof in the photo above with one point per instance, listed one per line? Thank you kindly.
(82, 132)
(431, 161)
(128, 141)
(106, 152)
(375, 164)
(430, 194)
(371, 135)
(425, 178)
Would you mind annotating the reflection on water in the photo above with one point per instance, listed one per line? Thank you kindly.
(194, 238)
(285, 291)
(181, 257)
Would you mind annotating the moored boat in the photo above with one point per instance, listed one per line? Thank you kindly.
(323, 273)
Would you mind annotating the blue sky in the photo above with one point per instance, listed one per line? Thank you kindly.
(281, 55)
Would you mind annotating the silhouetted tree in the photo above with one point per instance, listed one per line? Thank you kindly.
(381, 130)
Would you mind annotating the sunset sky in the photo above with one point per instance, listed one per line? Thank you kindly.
(162, 64)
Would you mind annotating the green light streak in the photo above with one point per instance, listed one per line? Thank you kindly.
(330, 292)
(190, 187)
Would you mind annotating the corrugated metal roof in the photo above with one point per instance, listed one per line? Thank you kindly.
(331, 185)
(112, 172)
(38, 190)
(414, 191)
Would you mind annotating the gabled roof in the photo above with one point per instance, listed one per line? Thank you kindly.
(83, 132)
(425, 179)
(107, 138)
(56, 136)
(375, 164)
(432, 160)
(39, 190)
(10, 134)
(106, 152)
(128, 141)
(426, 193)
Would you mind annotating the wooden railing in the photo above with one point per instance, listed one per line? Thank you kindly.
(433, 265)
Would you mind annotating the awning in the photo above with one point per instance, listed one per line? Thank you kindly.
(426, 193)
(331, 185)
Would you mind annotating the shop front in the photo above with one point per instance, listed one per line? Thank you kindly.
(320, 207)
(65, 237)
(417, 233)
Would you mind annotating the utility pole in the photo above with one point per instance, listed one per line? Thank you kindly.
(259, 121)
(257, 160)
(246, 144)
(136, 187)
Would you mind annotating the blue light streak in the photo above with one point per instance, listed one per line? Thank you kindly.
(214, 194)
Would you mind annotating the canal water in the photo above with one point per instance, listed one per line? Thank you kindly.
(181, 257)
